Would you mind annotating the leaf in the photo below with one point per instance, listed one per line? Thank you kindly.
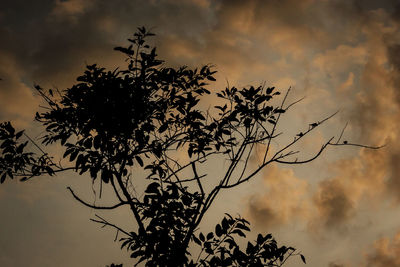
(139, 160)
(137, 254)
(67, 152)
(163, 128)
(303, 258)
(152, 188)
(211, 78)
(250, 248)
(218, 230)
(18, 135)
(210, 235)
(105, 175)
(3, 178)
(196, 240)
(243, 227)
(259, 100)
(73, 155)
(239, 232)
(88, 143)
(124, 50)
(260, 239)
(225, 224)
(270, 89)
(202, 238)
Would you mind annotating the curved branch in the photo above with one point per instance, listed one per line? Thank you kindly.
(307, 160)
(303, 135)
(94, 206)
(357, 145)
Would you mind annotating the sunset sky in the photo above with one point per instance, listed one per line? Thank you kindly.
(341, 210)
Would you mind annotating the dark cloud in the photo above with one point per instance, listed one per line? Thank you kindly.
(56, 42)
(263, 214)
(394, 56)
(355, 181)
(333, 203)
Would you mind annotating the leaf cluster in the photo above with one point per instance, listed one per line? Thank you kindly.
(14, 160)
(167, 215)
(222, 249)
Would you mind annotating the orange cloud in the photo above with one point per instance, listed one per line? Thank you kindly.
(385, 253)
(282, 201)
(70, 8)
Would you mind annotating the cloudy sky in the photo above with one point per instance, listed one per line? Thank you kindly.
(341, 210)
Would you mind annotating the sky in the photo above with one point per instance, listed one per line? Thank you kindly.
(343, 209)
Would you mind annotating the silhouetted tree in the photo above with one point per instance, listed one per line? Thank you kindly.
(147, 117)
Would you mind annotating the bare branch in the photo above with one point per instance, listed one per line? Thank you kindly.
(188, 164)
(303, 135)
(115, 189)
(341, 134)
(295, 102)
(307, 160)
(197, 178)
(357, 145)
(94, 206)
(106, 223)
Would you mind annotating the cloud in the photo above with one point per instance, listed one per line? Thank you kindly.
(376, 110)
(333, 202)
(346, 85)
(70, 8)
(351, 62)
(16, 98)
(335, 264)
(357, 180)
(341, 54)
(282, 201)
(385, 253)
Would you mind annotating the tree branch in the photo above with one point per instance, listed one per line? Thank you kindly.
(106, 223)
(94, 206)
(197, 179)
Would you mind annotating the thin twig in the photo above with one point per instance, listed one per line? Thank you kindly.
(295, 102)
(357, 145)
(106, 223)
(341, 134)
